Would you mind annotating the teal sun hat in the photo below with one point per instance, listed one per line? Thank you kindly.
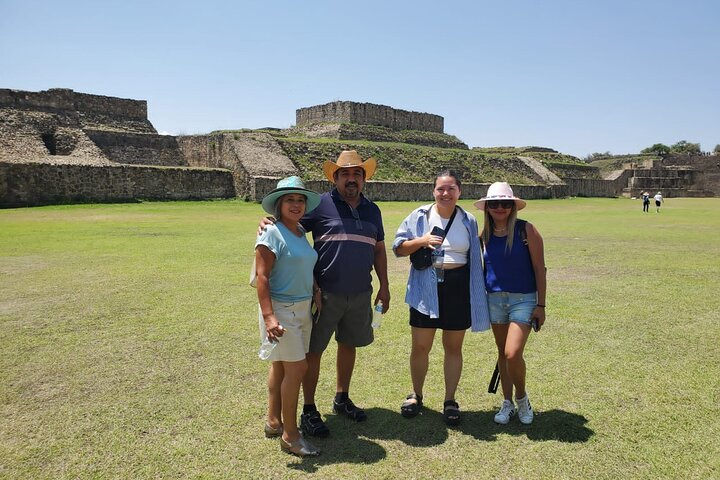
(290, 185)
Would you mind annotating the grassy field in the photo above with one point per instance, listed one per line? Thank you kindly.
(128, 343)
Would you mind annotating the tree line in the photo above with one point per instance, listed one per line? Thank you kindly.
(681, 147)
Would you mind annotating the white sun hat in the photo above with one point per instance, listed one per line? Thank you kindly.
(500, 191)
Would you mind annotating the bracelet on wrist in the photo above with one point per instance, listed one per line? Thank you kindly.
(541, 306)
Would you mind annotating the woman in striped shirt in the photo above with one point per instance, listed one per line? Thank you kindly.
(449, 296)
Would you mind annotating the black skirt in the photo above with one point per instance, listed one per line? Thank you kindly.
(454, 298)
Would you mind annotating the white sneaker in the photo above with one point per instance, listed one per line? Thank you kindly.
(525, 411)
(507, 411)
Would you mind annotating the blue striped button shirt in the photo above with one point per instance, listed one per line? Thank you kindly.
(422, 284)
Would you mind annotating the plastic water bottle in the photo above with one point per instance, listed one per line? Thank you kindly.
(377, 314)
(438, 259)
(266, 348)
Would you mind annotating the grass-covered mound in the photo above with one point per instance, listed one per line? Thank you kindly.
(374, 133)
(562, 165)
(405, 163)
(416, 156)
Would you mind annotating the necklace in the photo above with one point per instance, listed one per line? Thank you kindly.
(499, 229)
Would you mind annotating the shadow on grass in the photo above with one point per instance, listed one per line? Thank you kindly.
(351, 442)
(556, 425)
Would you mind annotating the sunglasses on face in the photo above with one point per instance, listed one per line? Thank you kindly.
(493, 204)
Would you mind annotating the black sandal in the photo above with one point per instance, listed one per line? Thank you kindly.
(350, 410)
(410, 409)
(451, 412)
(312, 424)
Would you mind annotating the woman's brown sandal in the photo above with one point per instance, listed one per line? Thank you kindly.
(411, 406)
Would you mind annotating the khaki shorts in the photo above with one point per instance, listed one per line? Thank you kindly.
(296, 320)
(348, 317)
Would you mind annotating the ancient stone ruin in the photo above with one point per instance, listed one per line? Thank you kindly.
(63, 126)
(369, 114)
(61, 146)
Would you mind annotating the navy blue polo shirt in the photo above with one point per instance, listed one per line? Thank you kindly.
(345, 239)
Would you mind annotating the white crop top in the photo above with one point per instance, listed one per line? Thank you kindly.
(457, 241)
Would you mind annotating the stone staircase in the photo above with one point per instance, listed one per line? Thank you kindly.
(248, 155)
(671, 181)
(540, 172)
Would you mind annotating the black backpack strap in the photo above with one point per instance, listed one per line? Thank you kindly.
(482, 253)
(523, 233)
(447, 227)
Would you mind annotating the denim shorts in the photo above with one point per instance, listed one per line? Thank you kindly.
(506, 307)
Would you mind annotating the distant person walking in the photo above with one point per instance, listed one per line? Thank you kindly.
(646, 201)
(658, 201)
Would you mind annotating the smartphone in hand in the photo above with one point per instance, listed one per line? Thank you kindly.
(535, 324)
(437, 231)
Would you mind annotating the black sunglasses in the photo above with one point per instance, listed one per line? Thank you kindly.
(356, 216)
(493, 204)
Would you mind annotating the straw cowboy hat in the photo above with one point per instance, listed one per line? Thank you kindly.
(500, 191)
(347, 159)
(287, 186)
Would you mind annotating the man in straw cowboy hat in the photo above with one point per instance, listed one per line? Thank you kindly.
(349, 237)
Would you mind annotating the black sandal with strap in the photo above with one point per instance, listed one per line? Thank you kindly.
(410, 408)
(451, 412)
(350, 410)
(312, 424)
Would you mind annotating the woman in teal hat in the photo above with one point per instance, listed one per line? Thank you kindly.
(285, 286)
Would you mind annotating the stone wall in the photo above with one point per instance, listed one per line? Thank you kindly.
(369, 114)
(705, 179)
(590, 187)
(412, 192)
(421, 192)
(138, 149)
(30, 184)
(65, 99)
(41, 184)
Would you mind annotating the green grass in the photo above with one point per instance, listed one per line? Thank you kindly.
(128, 336)
(403, 162)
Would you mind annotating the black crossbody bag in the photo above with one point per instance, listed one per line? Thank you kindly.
(422, 257)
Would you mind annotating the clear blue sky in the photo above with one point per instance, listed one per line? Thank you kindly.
(580, 77)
